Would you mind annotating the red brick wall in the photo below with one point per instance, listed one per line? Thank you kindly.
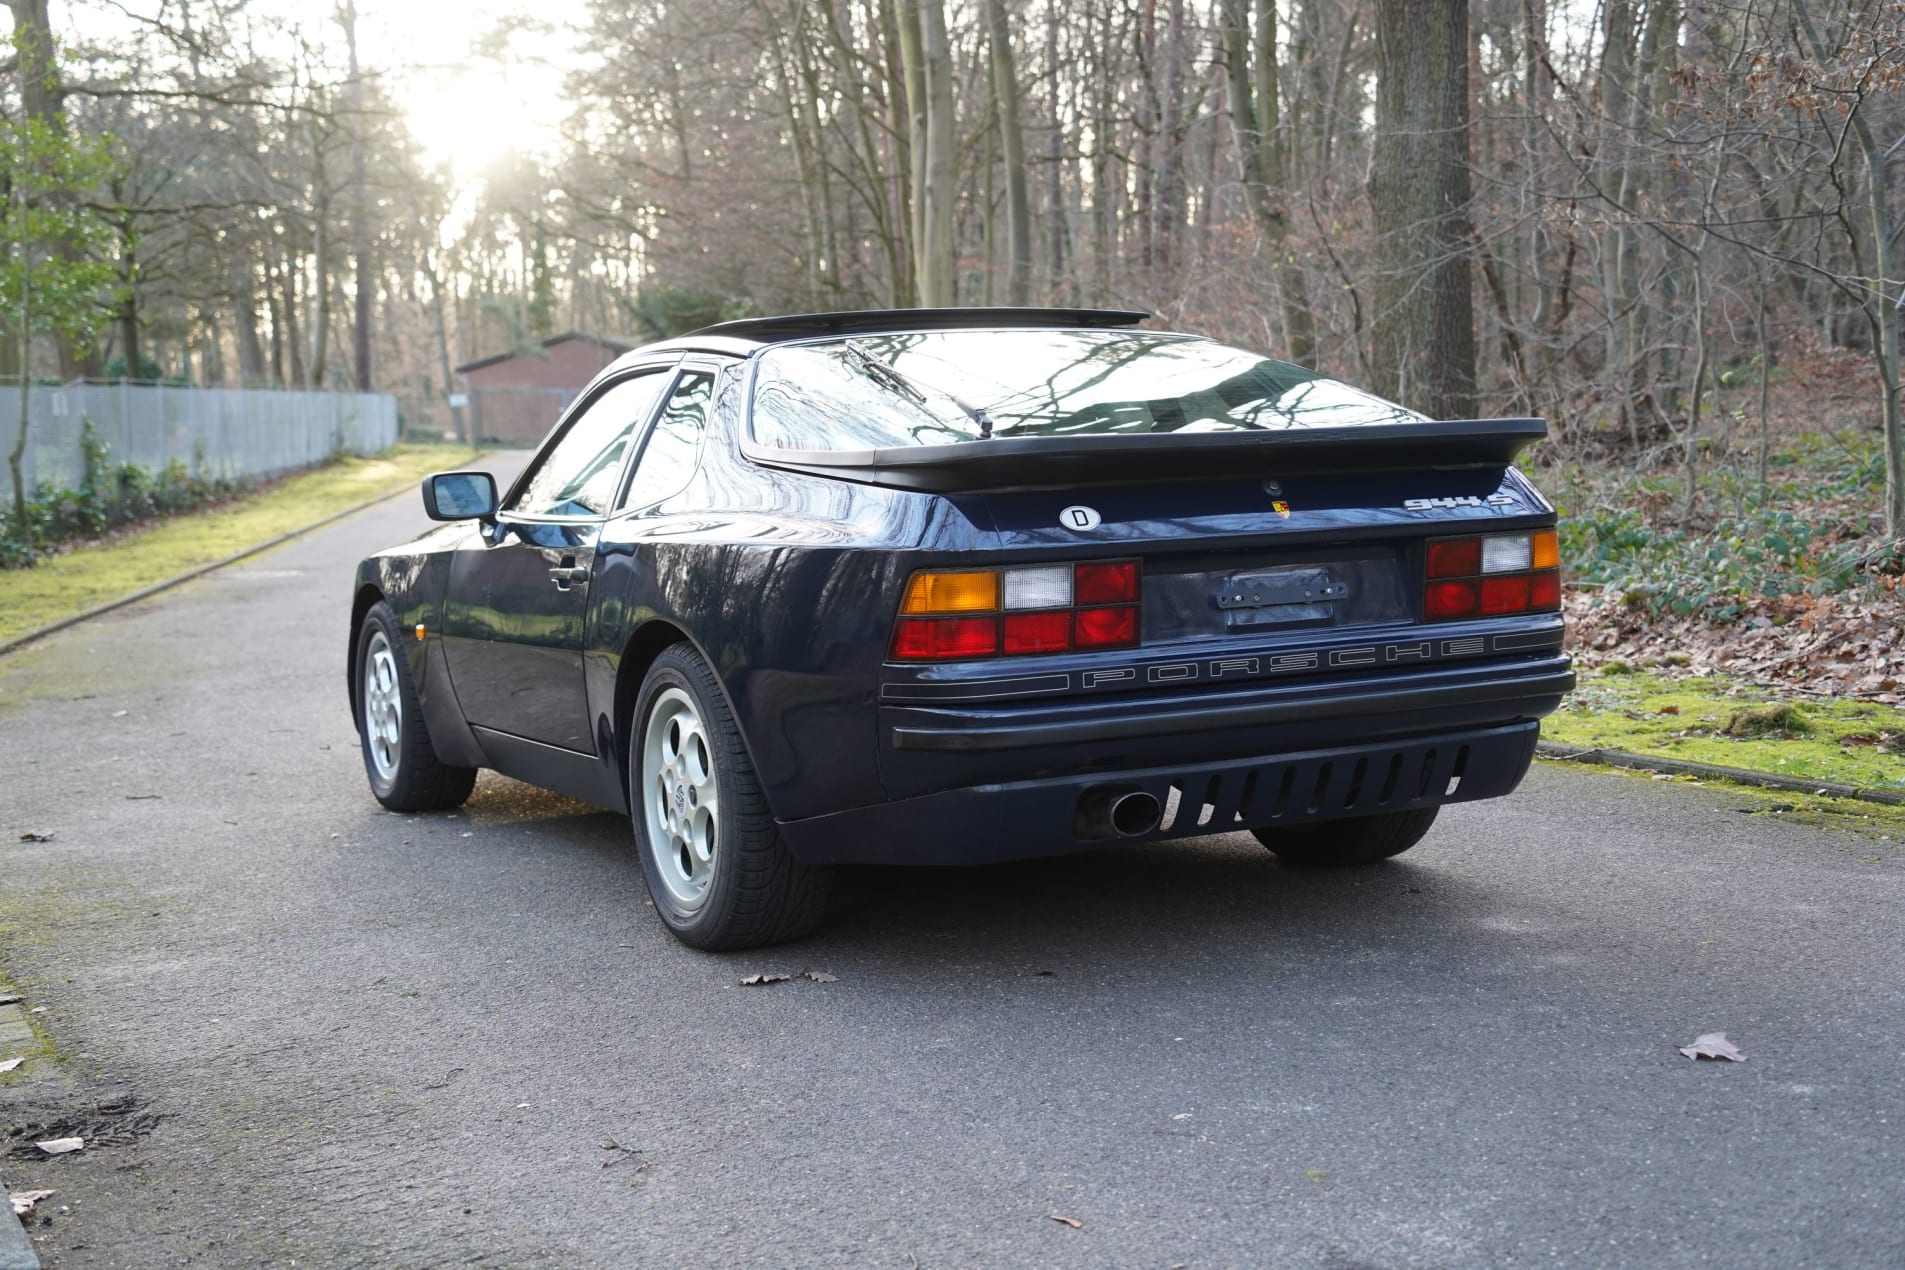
(518, 399)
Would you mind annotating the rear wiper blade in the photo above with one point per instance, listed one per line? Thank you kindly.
(895, 379)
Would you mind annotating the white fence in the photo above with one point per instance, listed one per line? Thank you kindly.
(229, 432)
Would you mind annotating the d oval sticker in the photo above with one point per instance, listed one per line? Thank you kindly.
(1080, 518)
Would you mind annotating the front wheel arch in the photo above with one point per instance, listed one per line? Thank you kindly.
(367, 597)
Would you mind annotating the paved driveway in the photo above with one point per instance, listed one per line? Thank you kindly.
(297, 1028)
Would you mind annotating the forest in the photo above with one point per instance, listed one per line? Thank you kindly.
(1666, 226)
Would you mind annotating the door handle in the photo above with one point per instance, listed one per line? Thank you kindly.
(569, 571)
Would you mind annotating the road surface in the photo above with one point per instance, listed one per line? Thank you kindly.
(297, 1029)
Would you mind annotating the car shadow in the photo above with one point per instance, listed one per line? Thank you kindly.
(1209, 894)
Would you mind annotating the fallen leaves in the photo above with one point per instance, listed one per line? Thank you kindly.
(769, 976)
(755, 981)
(61, 1146)
(36, 837)
(1073, 1222)
(10, 1064)
(1840, 646)
(23, 1201)
(1713, 1045)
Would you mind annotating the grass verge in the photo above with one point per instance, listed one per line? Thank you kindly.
(1709, 720)
(97, 573)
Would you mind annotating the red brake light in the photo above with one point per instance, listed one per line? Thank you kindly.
(1505, 594)
(1106, 628)
(1038, 632)
(1105, 583)
(1445, 600)
(1454, 558)
(1544, 590)
(941, 638)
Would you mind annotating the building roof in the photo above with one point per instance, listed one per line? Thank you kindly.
(615, 346)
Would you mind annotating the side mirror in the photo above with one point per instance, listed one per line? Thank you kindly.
(459, 496)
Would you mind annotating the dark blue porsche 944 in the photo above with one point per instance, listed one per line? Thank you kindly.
(949, 587)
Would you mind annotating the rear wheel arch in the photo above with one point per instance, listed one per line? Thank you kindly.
(650, 640)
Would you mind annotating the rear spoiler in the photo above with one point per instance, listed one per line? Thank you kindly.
(1098, 459)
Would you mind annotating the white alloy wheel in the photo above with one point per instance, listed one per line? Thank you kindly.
(680, 797)
(383, 707)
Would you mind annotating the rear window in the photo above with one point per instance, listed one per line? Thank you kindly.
(943, 387)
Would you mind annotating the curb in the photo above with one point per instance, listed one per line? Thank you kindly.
(1739, 775)
(16, 1250)
(41, 632)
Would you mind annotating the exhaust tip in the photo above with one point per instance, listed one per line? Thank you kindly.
(1134, 814)
(1116, 811)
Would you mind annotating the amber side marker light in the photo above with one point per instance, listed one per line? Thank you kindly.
(952, 614)
(1491, 575)
(420, 631)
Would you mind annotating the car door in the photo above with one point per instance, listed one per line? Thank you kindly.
(517, 608)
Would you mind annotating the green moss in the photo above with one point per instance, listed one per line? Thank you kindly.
(1715, 721)
(101, 572)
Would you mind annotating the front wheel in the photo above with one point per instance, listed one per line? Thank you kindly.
(1339, 843)
(404, 771)
(717, 869)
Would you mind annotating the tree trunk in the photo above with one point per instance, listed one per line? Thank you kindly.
(1250, 69)
(362, 285)
(443, 349)
(1018, 207)
(1424, 326)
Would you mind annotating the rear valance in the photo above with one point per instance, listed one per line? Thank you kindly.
(1044, 461)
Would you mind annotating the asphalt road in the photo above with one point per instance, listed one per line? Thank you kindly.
(297, 1029)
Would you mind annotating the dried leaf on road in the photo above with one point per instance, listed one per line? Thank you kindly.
(61, 1146)
(1713, 1045)
(36, 837)
(1073, 1222)
(10, 1064)
(819, 976)
(755, 981)
(23, 1201)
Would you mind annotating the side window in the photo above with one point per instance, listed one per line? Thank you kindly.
(668, 459)
(577, 475)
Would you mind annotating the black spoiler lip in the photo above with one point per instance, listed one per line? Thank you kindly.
(1044, 462)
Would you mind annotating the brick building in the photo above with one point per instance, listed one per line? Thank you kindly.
(515, 397)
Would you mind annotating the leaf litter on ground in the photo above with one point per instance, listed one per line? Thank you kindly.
(36, 837)
(61, 1146)
(767, 977)
(1713, 1045)
(23, 1201)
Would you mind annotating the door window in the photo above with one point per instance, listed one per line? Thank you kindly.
(668, 458)
(577, 475)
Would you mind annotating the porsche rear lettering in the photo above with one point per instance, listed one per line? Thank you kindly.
(1231, 669)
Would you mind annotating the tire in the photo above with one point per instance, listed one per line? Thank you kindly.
(1345, 843)
(405, 774)
(720, 875)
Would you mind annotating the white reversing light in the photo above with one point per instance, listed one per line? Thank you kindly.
(1047, 587)
(1507, 553)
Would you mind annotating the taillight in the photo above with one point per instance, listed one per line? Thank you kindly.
(1491, 575)
(949, 614)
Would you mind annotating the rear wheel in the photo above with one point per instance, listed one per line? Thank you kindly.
(717, 869)
(1340, 843)
(404, 772)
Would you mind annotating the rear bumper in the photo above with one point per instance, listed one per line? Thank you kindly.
(1012, 820)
